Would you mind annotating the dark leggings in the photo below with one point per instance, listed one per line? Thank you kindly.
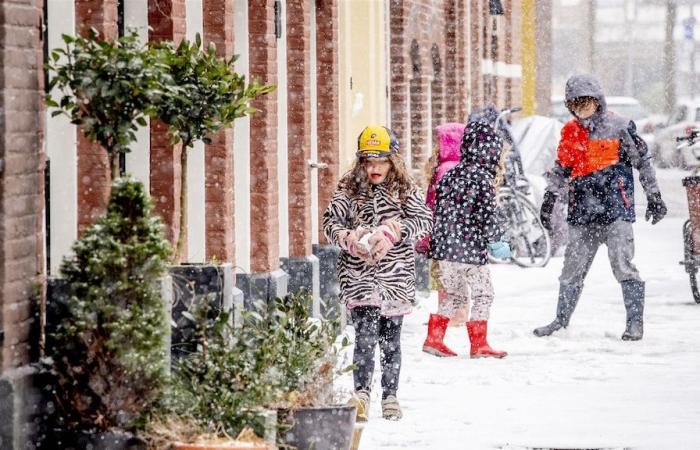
(370, 328)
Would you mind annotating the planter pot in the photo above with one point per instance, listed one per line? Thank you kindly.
(231, 445)
(192, 285)
(108, 440)
(321, 428)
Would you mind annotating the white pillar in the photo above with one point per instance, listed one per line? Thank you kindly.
(61, 150)
(282, 176)
(138, 162)
(241, 144)
(196, 227)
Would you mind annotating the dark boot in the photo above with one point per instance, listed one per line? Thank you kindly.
(633, 296)
(437, 325)
(568, 298)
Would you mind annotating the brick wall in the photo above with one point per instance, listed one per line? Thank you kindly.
(299, 124)
(167, 21)
(94, 176)
(263, 140)
(21, 176)
(218, 28)
(327, 102)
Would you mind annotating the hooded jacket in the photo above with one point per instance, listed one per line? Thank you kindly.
(393, 278)
(449, 138)
(465, 209)
(594, 162)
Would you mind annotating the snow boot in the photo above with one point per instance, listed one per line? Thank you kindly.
(477, 336)
(437, 325)
(633, 296)
(360, 400)
(391, 409)
(568, 298)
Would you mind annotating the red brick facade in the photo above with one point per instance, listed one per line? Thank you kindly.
(263, 140)
(218, 28)
(299, 125)
(167, 21)
(94, 175)
(21, 177)
(327, 102)
(430, 69)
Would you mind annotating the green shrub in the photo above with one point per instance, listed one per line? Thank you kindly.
(272, 361)
(110, 359)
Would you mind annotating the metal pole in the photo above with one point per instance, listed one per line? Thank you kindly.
(670, 58)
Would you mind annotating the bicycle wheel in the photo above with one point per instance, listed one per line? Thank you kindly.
(690, 261)
(528, 239)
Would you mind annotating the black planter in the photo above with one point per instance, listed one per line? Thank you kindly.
(194, 284)
(108, 440)
(321, 428)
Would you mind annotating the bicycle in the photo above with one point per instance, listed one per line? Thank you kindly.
(691, 227)
(528, 239)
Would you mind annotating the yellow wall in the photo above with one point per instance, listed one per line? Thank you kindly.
(362, 58)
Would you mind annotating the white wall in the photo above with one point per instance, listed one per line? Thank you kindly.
(138, 160)
(61, 150)
(241, 145)
(282, 136)
(196, 250)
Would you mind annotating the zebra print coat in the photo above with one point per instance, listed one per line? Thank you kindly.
(390, 284)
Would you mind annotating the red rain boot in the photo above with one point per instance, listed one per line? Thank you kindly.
(437, 325)
(477, 336)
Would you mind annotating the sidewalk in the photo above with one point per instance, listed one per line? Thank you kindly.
(582, 388)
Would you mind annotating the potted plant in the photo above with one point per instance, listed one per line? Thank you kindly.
(109, 349)
(220, 389)
(206, 95)
(307, 359)
(107, 88)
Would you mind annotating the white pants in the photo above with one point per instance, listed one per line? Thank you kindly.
(461, 280)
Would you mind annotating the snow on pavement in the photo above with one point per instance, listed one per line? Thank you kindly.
(582, 387)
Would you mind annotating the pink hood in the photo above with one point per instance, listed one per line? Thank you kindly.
(449, 137)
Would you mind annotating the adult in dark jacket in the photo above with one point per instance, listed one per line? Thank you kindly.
(466, 229)
(596, 154)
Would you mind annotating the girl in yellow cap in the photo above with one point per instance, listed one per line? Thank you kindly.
(375, 216)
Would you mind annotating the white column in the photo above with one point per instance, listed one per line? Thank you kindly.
(241, 144)
(282, 159)
(61, 150)
(138, 160)
(196, 226)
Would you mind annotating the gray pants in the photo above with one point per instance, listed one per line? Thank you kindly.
(583, 245)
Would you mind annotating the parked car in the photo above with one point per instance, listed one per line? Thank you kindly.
(628, 107)
(684, 117)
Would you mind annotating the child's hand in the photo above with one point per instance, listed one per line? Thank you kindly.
(395, 228)
(381, 241)
(500, 250)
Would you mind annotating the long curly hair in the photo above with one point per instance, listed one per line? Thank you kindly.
(356, 184)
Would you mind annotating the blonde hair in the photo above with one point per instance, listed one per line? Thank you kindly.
(431, 166)
(356, 184)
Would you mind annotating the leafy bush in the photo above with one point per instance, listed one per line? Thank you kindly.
(272, 361)
(110, 358)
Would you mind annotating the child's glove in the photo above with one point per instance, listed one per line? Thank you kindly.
(500, 250)
(382, 240)
(349, 241)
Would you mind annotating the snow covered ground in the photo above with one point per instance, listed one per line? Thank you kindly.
(581, 388)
